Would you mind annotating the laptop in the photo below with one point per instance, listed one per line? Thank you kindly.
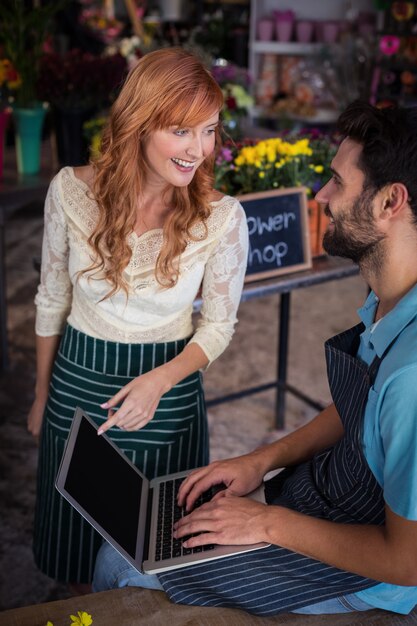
(131, 512)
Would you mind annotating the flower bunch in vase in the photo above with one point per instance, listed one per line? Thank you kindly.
(273, 163)
(235, 82)
(9, 83)
(22, 35)
(104, 25)
(78, 85)
(80, 80)
(131, 48)
(278, 162)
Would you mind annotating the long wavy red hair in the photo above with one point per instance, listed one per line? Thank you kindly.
(167, 87)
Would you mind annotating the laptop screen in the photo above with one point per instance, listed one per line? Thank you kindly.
(105, 485)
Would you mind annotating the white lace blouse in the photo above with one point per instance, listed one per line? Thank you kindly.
(150, 313)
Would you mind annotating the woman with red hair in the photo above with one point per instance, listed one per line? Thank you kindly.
(129, 241)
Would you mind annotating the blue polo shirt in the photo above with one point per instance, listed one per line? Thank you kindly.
(390, 423)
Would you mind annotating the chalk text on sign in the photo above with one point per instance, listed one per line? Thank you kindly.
(281, 221)
(271, 253)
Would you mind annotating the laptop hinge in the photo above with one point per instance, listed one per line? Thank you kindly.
(148, 525)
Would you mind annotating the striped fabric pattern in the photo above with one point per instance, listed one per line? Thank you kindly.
(265, 582)
(336, 485)
(87, 372)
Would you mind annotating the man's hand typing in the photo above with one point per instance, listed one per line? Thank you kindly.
(226, 520)
(238, 476)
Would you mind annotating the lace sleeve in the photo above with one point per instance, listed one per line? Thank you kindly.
(222, 287)
(53, 298)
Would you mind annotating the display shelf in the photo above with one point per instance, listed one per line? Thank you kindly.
(322, 117)
(292, 48)
(242, 2)
(394, 79)
(327, 10)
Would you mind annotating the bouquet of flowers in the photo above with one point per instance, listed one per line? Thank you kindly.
(279, 162)
(105, 26)
(9, 82)
(235, 82)
(80, 80)
(22, 35)
(131, 48)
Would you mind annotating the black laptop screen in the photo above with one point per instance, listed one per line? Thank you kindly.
(107, 487)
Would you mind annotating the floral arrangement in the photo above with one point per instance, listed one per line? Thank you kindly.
(235, 82)
(22, 35)
(225, 73)
(81, 619)
(105, 27)
(129, 47)
(80, 80)
(9, 82)
(279, 162)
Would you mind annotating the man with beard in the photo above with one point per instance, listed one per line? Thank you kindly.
(341, 518)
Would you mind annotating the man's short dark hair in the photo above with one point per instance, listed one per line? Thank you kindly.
(389, 140)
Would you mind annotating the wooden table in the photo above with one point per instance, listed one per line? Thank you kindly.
(132, 606)
(323, 270)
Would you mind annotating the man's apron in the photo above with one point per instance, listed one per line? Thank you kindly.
(336, 484)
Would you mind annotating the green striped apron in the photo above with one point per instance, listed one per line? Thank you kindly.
(87, 372)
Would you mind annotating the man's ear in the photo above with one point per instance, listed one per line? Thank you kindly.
(394, 200)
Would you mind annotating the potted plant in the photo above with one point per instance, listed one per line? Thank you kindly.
(78, 85)
(298, 160)
(22, 35)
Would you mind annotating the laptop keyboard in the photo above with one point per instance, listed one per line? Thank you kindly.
(169, 512)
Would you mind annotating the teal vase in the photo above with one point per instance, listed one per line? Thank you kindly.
(4, 120)
(28, 125)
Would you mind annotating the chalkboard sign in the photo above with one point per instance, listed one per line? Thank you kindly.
(278, 232)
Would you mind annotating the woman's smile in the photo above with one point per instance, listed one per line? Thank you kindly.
(184, 166)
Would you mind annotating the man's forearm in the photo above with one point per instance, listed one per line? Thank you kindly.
(384, 553)
(321, 433)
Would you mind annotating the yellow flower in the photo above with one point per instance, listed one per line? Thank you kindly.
(261, 148)
(83, 619)
(278, 163)
(95, 145)
(271, 154)
(48, 623)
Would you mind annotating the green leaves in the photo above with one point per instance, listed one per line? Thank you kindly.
(22, 34)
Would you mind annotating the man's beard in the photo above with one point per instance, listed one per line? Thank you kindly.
(354, 235)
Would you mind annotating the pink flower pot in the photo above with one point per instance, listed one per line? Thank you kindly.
(304, 31)
(265, 30)
(283, 31)
(330, 32)
(284, 25)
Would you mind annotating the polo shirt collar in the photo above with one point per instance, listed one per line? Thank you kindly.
(390, 326)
